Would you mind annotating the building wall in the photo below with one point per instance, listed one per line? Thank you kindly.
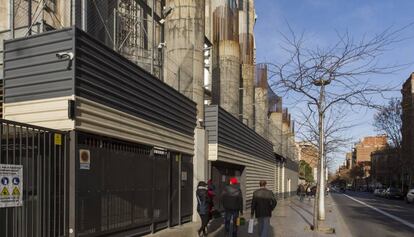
(408, 128)
(369, 145)
(309, 153)
(233, 142)
(123, 101)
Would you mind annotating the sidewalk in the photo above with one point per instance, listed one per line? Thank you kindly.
(291, 218)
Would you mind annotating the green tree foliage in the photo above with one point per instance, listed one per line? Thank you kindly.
(305, 171)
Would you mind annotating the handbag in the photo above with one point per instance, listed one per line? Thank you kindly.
(250, 227)
(240, 221)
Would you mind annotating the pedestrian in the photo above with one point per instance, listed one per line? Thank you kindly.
(211, 194)
(263, 203)
(308, 192)
(232, 201)
(300, 192)
(203, 202)
(313, 191)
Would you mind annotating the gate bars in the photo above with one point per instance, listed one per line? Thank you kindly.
(42, 153)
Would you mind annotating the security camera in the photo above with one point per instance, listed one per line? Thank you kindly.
(161, 45)
(166, 11)
(65, 55)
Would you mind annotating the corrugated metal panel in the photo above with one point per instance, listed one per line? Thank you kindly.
(96, 118)
(210, 123)
(50, 113)
(32, 70)
(128, 88)
(256, 170)
(234, 134)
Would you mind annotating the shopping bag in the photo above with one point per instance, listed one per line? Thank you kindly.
(250, 228)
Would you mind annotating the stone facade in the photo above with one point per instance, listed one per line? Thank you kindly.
(408, 129)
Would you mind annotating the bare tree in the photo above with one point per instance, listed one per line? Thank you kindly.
(335, 135)
(325, 78)
(388, 120)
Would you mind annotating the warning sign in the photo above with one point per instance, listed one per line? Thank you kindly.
(84, 159)
(58, 139)
(5, 192)
(16, 191)
(11, 185)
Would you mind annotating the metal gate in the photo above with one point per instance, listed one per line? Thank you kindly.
(42, 154)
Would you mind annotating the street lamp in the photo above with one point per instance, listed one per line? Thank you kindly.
(319, 206)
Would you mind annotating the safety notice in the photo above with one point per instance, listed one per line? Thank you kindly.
(11, 185)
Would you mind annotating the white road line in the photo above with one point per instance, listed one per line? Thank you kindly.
(383, 212)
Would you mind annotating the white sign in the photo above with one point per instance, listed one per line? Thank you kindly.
(184, 176)
(11, 185)
(84, 159)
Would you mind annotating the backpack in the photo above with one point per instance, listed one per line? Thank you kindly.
(202, 207)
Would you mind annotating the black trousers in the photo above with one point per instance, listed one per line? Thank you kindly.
(204, 221)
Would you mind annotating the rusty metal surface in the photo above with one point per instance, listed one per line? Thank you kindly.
(261, 76)
(225, 21)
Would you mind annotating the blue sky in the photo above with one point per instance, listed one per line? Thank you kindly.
(321, 20)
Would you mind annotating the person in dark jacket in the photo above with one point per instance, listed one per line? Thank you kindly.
(203, 203)
(232, 201)
(263, 204)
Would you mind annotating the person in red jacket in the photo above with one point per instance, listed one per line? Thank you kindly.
(232, 201)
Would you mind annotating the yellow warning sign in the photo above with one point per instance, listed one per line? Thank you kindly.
(58, 139)
(5, 192)
(16, 191)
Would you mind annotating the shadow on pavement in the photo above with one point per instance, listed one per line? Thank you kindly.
(302, 216)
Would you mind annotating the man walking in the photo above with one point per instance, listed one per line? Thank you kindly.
(232, 201)
(263, 204)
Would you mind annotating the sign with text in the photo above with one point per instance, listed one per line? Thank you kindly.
(11, 185)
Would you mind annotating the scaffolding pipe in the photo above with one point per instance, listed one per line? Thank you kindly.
(153, 37)
(12, 18)
(84, 16)
(114, 30)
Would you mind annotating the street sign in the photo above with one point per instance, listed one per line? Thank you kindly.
(84, 159)
(11, 185)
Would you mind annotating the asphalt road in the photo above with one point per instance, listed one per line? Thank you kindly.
(367, 215)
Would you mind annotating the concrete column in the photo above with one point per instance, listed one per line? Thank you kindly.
(248, 94)
(226, 55)
(283, 180)
(285, 139)
(261, 101)
(184, 58)
(246, 40)
(200, 166)
(275, 131)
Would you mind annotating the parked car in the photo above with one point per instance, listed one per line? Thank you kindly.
(383, 192)
(410, 196)
(393, 193)
(378, 191)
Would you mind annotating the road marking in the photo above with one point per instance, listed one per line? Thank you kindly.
(383, 212)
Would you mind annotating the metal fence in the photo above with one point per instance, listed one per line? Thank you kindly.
(42, 154)
(131, 189)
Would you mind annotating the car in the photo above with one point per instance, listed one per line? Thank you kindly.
(410, 196)
(378, 191)
(393, 193)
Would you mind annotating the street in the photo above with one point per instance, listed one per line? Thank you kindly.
(368, 215)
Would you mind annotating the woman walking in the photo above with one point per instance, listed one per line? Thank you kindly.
(203, 203)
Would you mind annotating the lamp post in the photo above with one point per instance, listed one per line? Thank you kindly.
(319, 206)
